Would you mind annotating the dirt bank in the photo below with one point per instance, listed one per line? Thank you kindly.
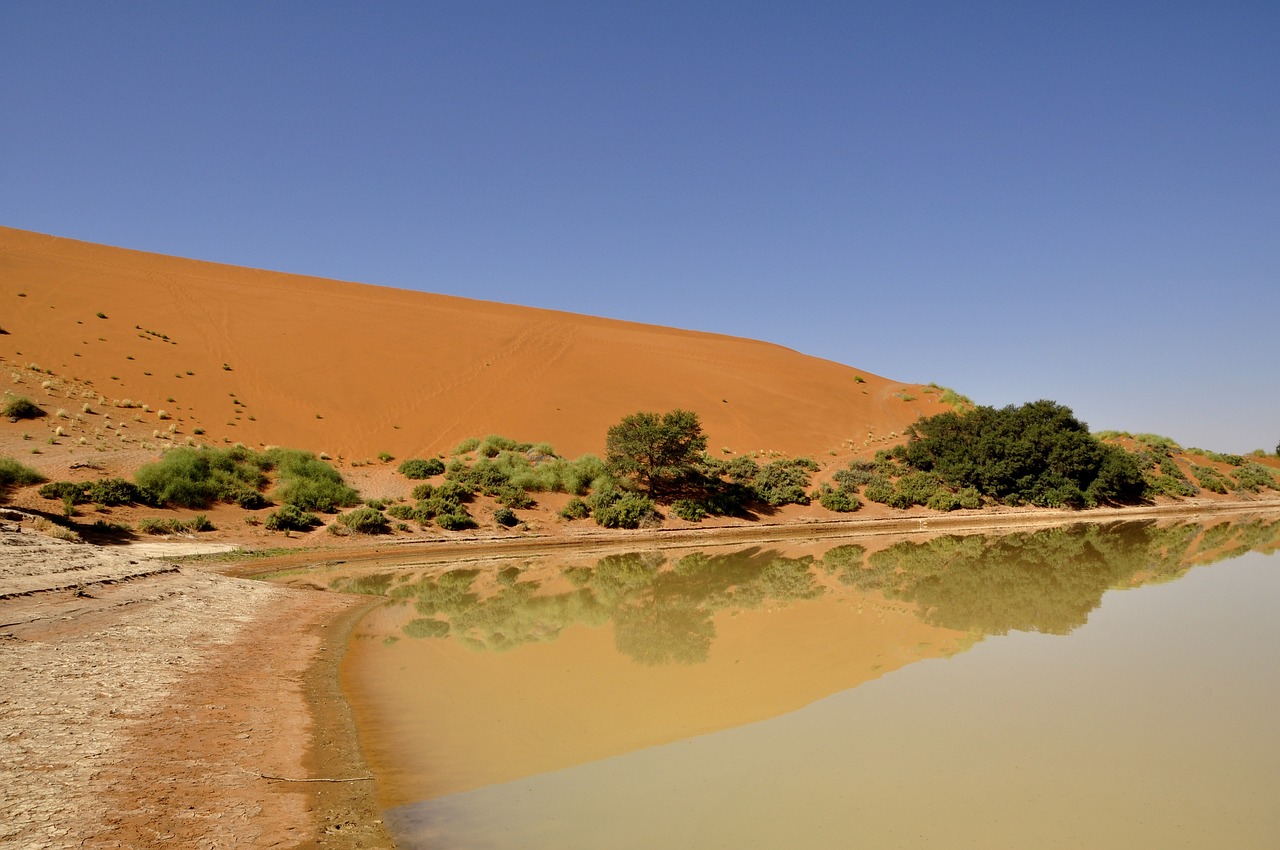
(145, 705)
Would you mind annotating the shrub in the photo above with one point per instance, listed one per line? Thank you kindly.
(1211, 479)
(418, 468)
(290, 518)
(505, 517)
(467, 445)
(629, 511)
(400, 512)
(309, 483)
(688, 510)
(200, 522)
(114, 491)
(422, 491)
(785, 482)
(839, 500)
(1253, 476)
(455, 521)
(21, 407)
(386, 457)
(196, 478)
(14, 474)
(575, 509)
(60, 491)
(365, 520)
(513, 497)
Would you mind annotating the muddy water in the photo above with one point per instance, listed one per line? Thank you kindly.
(1093, 686)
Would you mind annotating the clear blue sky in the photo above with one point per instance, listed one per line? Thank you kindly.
(1067, 200)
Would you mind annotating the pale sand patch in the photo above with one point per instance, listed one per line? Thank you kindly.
(139, 707)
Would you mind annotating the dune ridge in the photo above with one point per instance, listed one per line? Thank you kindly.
(270, 358)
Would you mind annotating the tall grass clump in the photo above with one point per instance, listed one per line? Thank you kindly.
(199, 477)
(308, 483)
(14, 474)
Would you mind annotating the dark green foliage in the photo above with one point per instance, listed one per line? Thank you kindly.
(365, 520)
(657, 451)
(575, 509)
(422, 491)
(688, 510)
(880, 491)
(785, 482)
(14, 474)
(107, 491)
(857, 474)
(418, 468)
(505, 517)
(290, 518)
(1211, 479)
(400, 512)
(513, 497)
(1253, 476)
(58, 491)
(839, 500)
(483, 476)
(309, 483)
(1037, 453)
(455, 521)
(197, 478)
(114, 491)
(21, 407)
(627, 512)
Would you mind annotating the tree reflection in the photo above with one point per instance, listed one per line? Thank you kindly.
(663, 613)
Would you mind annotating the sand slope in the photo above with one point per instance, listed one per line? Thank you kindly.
(269, 358)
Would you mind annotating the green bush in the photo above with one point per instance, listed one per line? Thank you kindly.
(114, 491)
(513, 497)
(290, 518)
(60, 491)
(505, 517)
(459, 520)
(688, 510)
(21, 407)
(418, 468)
(575, 509)
(467, 445)
(785, 482)
(1253, 476)
(879, 491)
(308, 483)
(400, 512)
(1211, 479)
(422, 491)
(14, 474)
(629, 511)
(365, 520)
(839, 500)
(197, 478)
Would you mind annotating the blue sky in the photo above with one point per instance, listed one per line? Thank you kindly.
(1067, 200)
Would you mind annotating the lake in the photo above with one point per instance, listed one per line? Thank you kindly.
(1087, 686)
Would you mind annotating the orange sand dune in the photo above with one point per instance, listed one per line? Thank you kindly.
(266, 358)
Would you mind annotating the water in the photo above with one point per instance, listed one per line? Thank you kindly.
(1092, 686)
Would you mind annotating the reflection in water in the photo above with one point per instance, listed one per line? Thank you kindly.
(624, 652)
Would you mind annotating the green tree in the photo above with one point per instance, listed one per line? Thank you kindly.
(656, 451)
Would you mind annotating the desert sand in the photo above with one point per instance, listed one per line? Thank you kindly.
(149, 704)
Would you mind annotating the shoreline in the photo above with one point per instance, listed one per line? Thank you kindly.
(460, 549)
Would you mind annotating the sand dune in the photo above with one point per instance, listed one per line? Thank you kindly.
(269, 358)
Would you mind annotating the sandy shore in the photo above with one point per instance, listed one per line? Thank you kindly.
(145, 704)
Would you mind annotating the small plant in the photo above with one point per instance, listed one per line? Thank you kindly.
(386, 457)
(101, 315)
(14, 474)
(458, 521)
(225, 367)
(505, 517)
